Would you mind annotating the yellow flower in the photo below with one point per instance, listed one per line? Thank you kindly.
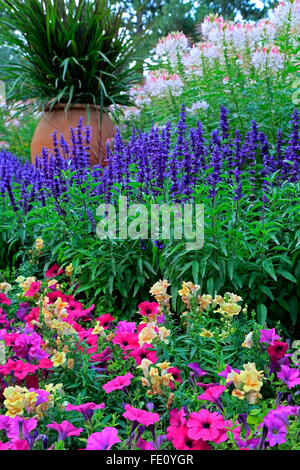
(17, 399)
(229, 309)
(147, 335)
(58, 359)
(144, 365)
(39, 243)
(163, 334)
(238, 394)
(206, 333)
(99, 330)
(164, 366)
(69, 270)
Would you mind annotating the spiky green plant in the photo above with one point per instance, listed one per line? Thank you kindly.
(71, 51)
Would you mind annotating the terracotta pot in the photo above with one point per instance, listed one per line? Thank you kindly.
(58, 119)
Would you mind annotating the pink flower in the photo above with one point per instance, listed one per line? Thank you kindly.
(176, 374)
(64, 429)
(148, 308)
(86, 409)
(141, 416)
(22, 369)
(118, 383)
(4, 299)
(205, 425)
(105, 320)
(54, 271)
(126, 340)
(103, 440)
(34, 289)
(212, 393)
(144, 352)
(17, 424)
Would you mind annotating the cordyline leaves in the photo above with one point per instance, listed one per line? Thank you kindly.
(70, 52)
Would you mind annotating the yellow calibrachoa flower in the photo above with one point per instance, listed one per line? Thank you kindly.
(58, 359)
(206, 333)
(39, 243)
(69, 269)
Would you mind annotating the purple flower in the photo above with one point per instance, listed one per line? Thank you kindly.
(276, 429)
(289, 376)
(197, 371)
(103, 440)
(268, 336)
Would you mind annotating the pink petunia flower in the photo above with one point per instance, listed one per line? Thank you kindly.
(205, 425)
(86, 409)
(103, 440)
(4, 299)
(143, 417)
(118, 383)
(64, 429)
(146, 351)
(148, 308)
(34, 289)
(126, 340)
(54, 271)
(212, 394)
(105, 320)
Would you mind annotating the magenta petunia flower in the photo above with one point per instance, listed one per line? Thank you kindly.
(141, 416)
(148, 308)
(103, 440)
(34, 289)
(176, 374)
(22, 369)
(18, 424)
(146, 351)
(268, 336)
(4, 299)
(212, 394)
(118, 383)
(105, 320)
(54, 271)
(128, 326)
(86, 409)
(205, 425)
(290, 376)
(126, 340)
(64, 429)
